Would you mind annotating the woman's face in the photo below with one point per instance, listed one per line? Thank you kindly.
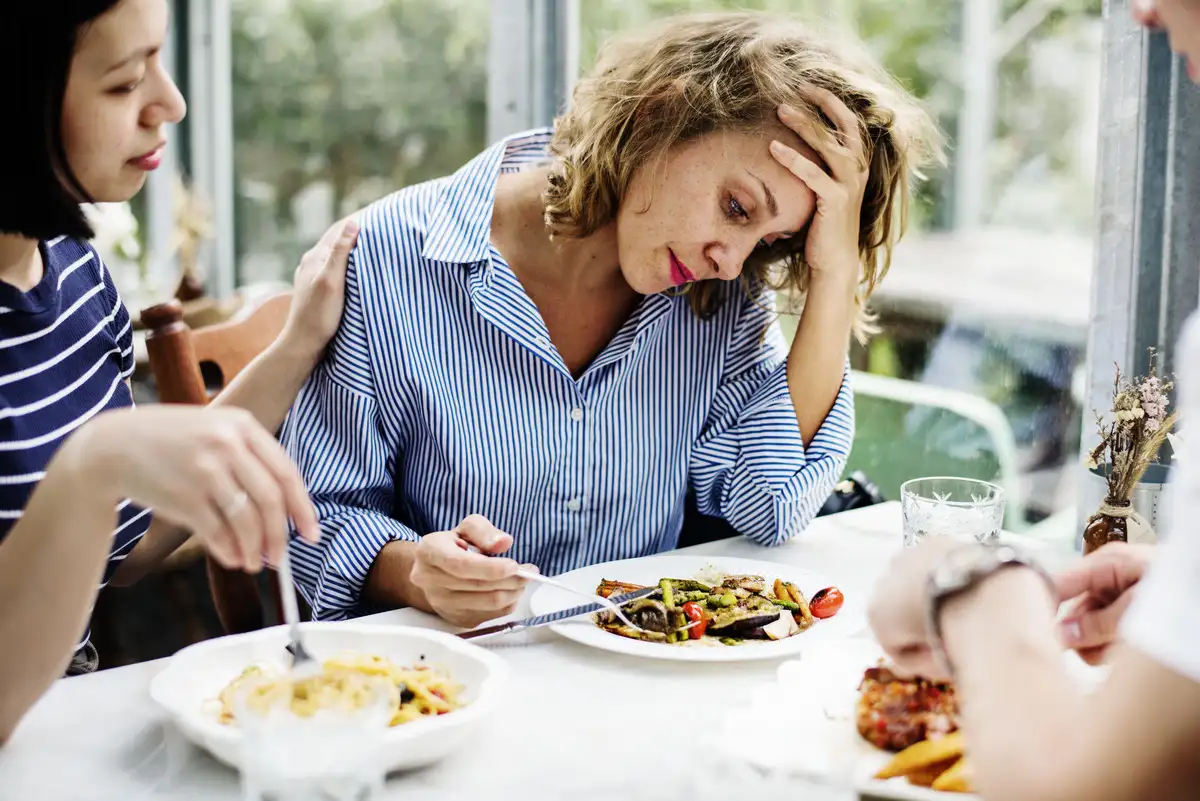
(118, 100)
(1181, 20)
(699, 211)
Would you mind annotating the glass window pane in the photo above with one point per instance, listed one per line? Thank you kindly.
(340, 102)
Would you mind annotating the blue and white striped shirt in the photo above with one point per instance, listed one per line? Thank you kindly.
(442, 396)
(66, 351)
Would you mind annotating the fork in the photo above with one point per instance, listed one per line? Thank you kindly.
(302, 660)
(530, 575)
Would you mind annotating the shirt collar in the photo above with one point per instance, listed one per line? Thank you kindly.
(460, 220)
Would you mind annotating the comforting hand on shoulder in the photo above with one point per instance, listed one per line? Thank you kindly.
(319, 289)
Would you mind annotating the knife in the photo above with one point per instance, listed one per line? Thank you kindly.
(554, 617)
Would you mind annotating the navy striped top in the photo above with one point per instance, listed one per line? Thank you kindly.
(442, 396)
(66, 351)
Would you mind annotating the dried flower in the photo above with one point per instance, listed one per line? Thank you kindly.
(1140, 425)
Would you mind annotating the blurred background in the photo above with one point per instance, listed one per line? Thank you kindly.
(303, 111)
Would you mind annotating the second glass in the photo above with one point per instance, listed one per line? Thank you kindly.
(944, 506)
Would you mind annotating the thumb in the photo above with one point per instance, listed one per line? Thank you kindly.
(1095, 628)
(478, 531)
(345, 242)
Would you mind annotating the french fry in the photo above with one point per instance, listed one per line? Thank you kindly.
(955, 780)
(928, 775)
(922, 755)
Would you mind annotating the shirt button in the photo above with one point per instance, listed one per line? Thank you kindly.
(574, 505)
(577, 414)
(541, 342)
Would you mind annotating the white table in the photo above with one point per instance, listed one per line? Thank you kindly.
(100, 737)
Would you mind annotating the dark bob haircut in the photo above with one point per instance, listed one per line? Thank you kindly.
(39, 195)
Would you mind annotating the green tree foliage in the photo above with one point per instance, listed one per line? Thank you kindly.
(347, 92)
(366, 96)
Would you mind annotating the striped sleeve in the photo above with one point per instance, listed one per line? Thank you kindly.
(335, 436)
(750, 465)
(122, 325)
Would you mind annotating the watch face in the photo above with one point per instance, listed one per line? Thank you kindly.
(958, 566)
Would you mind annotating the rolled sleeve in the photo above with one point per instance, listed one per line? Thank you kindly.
(334, 435)
(751, 466)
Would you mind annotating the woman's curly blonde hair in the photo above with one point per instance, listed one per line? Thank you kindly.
(694, 74)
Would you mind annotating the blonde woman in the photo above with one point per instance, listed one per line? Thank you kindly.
(543, 352)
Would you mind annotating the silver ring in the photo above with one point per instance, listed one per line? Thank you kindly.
(235, 505)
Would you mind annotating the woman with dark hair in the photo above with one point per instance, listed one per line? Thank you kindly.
(85, 102)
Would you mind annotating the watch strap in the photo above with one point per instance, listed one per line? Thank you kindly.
(944, 584)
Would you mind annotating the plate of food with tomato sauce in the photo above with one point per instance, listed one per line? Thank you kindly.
(704, 609)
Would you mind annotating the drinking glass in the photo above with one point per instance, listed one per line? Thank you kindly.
(963, 508)
(332, 754)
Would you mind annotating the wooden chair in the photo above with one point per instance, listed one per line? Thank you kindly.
(179, 357)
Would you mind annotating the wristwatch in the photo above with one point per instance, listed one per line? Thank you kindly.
(960, 570)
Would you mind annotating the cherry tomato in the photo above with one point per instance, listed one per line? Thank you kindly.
(826, 602)
(695, 613)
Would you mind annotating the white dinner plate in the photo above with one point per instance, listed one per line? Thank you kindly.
(805, 721)
(192, 680)
(648, 570)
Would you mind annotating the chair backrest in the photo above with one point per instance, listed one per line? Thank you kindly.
(176, 355)
(906, 429)
(177, 352)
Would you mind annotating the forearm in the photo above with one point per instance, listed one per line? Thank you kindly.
(51, 564)
(389, 582)
(816, 363)
(268, 386)
(1023, 714)
(159, 542)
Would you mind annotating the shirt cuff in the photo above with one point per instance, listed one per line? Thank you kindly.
(331, 573)
(772, 448)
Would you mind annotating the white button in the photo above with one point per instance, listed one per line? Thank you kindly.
(541, 342)
(577, 414)
(633, 349)
(574, 504)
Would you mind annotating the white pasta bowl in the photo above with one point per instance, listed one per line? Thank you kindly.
(188, 688)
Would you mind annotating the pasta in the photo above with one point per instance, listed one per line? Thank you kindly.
(345, 684)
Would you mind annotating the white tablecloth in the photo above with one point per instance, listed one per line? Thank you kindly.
(579, 724)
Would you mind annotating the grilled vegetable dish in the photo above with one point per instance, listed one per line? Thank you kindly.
(737, 609)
